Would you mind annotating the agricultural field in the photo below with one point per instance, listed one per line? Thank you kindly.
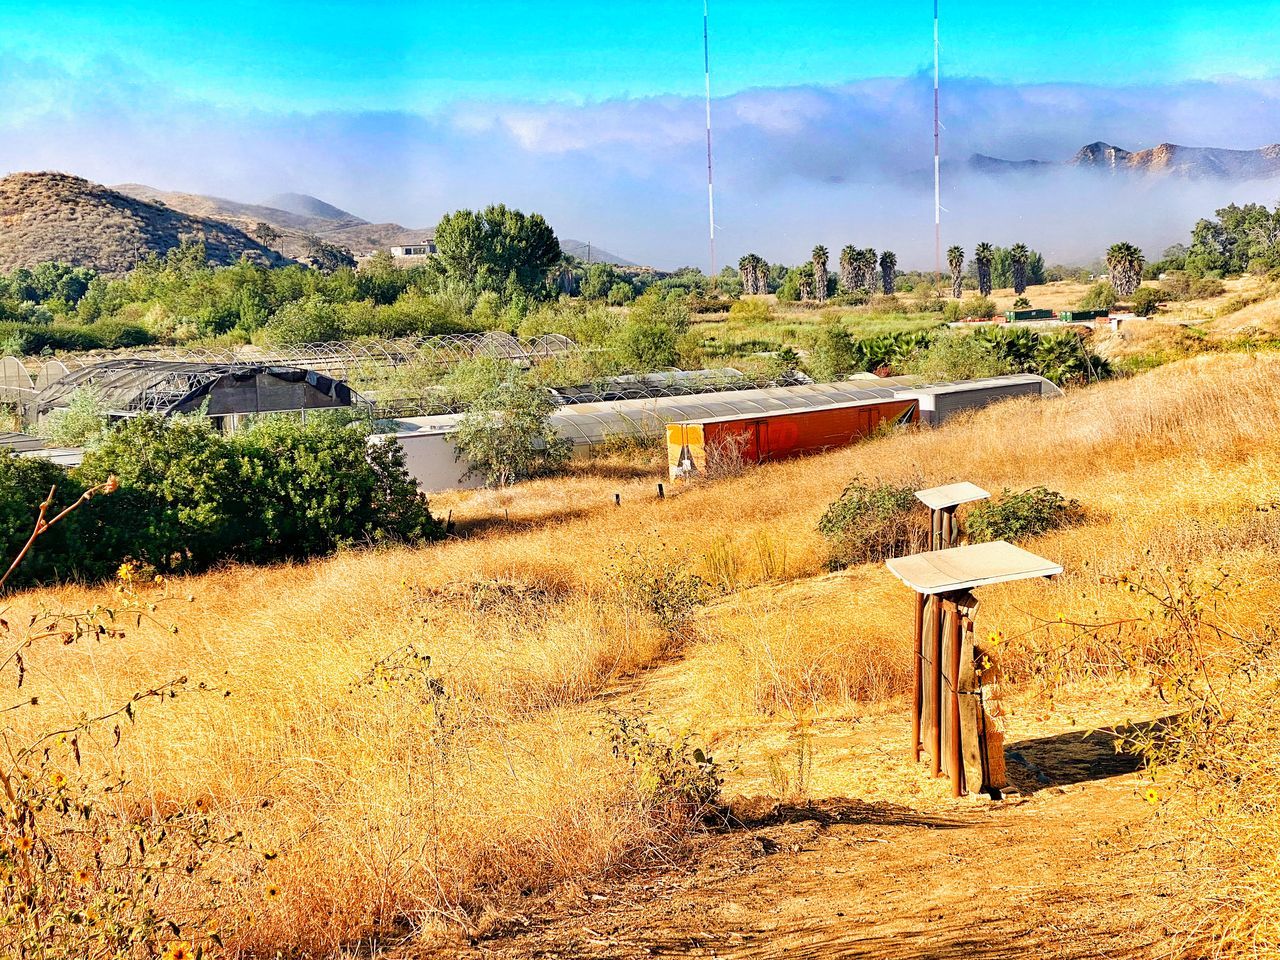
(681, 724)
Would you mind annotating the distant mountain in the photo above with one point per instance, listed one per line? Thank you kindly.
(310, 218)
(305, 205)
(585, 251)
(1165, 160)
(56, 216)
(994, 165)
(298, 216)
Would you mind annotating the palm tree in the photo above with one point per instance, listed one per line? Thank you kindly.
(754, 272)
(1125, 262)
(804, 273)
(983, 254)
(870, 280)
(955, 260)
(888, 264)
(1019, 257)
(849, 268)
(820, 273)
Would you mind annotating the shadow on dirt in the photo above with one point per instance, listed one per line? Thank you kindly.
(751, 813)
(1080, 757)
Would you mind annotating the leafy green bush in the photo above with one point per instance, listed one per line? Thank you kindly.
(751, 311)
(33, 338)
(677, 779)
(190, 497)
(960, 355)
(872, 521)
(1146, 301)
(506, 435)
(1101, 296)
(1016, 515)
(82, 423)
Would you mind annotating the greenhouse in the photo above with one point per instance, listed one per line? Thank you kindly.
(670, 383)
(433, 461)
(344, 359)
(128, 387)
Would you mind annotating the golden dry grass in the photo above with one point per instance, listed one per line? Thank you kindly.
(403, 802)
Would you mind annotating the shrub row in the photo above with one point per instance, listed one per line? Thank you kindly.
(190, 497)
(34, 338)
(873, 521)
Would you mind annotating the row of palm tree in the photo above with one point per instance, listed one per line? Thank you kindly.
(983, 255)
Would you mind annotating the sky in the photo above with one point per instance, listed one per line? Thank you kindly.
(592, 113)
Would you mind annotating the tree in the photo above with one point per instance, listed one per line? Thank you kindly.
(1101, 296)
(83, 423)
(888, 267)
(1146, 301)
(867, 279)
(265, 233)
(1019, 257)
(599, 281)
(327, 257)
(820, 273)
(755, 274)
(1125, 263)
(506, 434)
(982, 256)
(849, 269)
(497, 249)
(955, 261)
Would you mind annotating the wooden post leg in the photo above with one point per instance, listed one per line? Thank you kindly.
(935, 685)
(954, 758)
(935, 522)
(917, 656)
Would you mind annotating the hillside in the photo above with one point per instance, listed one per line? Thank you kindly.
(1164, 160)
(56, 216)
(478, 792)
(297, 216)
(305, 205)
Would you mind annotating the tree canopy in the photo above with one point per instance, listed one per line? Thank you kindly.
(497, 249)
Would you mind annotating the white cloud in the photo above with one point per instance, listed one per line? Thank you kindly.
(794, 166)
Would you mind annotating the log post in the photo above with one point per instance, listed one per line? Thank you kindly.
(917, 655)
(935, 683)
(953, 738)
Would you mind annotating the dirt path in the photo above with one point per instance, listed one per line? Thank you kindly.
(1057, 873)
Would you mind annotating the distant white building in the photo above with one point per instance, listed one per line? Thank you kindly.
(421, 248)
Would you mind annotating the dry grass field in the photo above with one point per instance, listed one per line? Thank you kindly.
(406, 799)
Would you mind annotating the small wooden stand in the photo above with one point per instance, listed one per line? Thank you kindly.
(949, 722)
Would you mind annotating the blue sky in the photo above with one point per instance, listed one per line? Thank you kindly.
(591, 113)
(420, 55)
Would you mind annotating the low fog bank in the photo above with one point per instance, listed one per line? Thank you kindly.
(794, 166)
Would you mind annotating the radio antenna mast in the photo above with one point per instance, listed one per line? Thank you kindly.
(711, 194)
(937, 154)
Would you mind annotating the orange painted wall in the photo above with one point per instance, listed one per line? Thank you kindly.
(777, 436)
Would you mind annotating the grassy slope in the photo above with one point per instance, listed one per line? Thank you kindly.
(385, 813)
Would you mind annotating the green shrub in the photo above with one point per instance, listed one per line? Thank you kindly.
(751, 311)
(984, 308)
(190, 497)
(506, 435)
(676, 779)
(1146, 301)
(1016, 515)
(872, 521)
(1101, 296)
(34, 338)
(960, 355)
